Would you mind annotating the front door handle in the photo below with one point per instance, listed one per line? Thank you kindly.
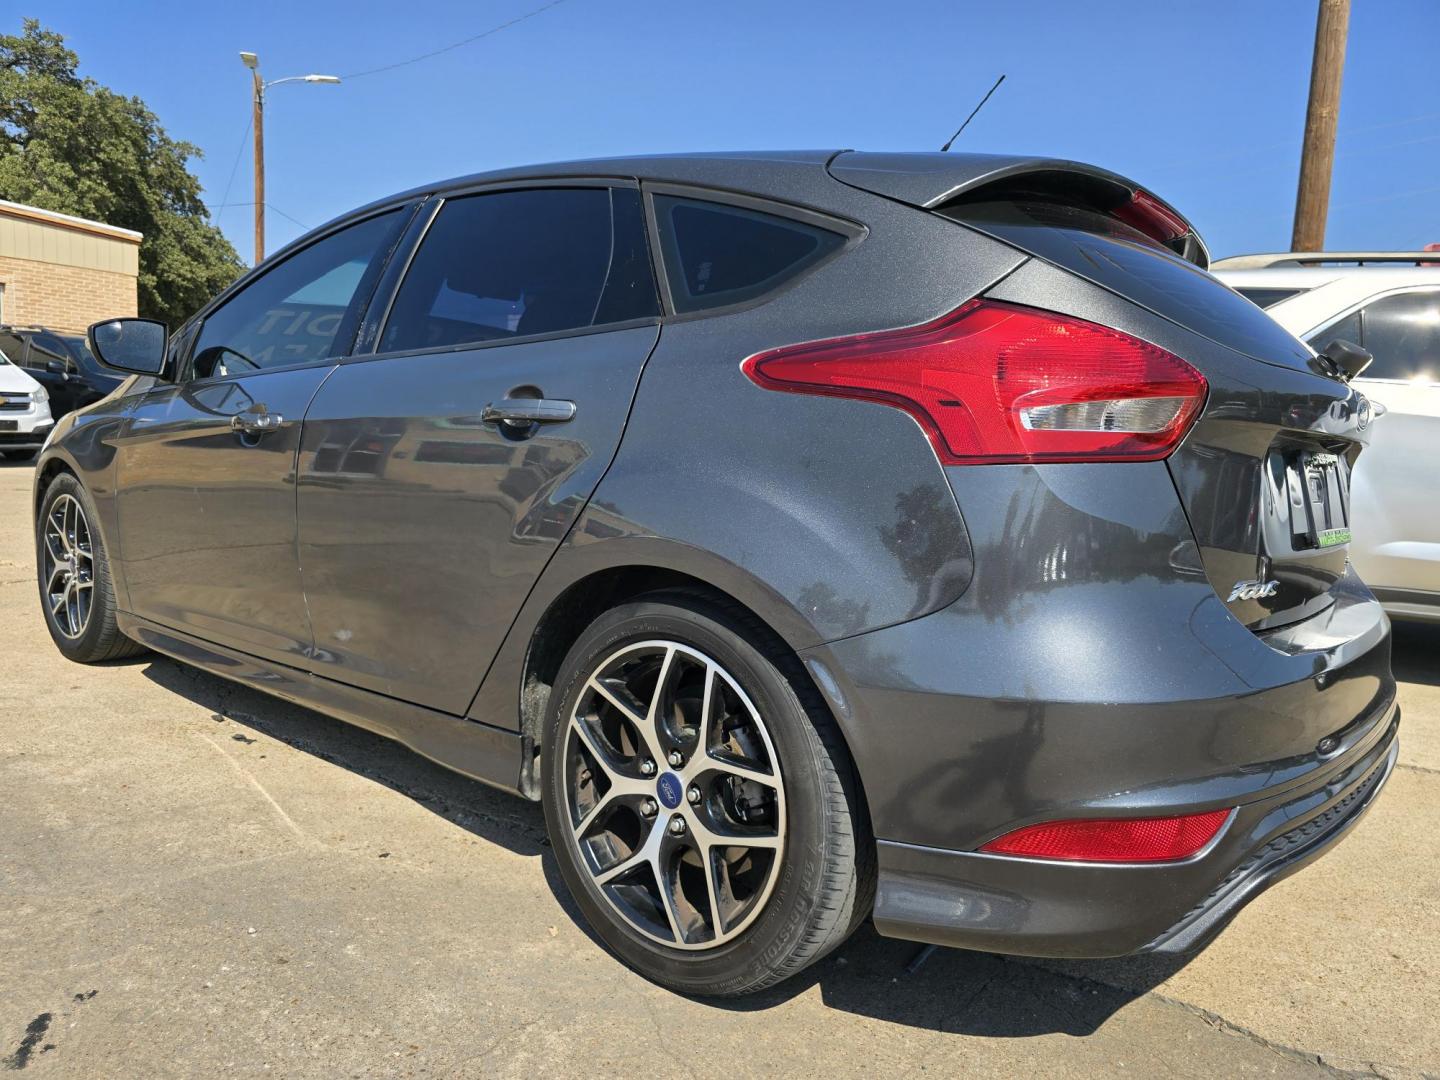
(255, 423)
(523, 412)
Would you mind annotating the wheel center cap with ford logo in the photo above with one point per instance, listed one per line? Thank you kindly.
(670, 790)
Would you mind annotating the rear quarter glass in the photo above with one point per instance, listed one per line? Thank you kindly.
(1116, 257)
(717, 254)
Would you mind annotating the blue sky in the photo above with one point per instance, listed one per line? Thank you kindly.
(1202, 101)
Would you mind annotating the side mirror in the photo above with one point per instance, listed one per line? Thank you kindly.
(133, 345)
(1346, 359)
(55, 367)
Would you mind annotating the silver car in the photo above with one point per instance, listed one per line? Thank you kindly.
(1389, 303)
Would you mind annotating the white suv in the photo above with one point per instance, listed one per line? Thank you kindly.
(25, 419)
(1389, 303)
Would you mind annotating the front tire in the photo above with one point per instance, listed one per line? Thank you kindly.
(77, 594)
(699, 798)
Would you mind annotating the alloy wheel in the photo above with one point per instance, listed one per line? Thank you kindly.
(69, 566)
(674, 794)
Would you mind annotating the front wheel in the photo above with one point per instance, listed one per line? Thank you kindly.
(703, 812)
(76, 592)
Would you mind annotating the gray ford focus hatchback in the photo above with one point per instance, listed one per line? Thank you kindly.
(817, 535)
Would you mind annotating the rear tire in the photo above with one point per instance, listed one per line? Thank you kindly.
(77, 594)
(765, 767)
(20, 455)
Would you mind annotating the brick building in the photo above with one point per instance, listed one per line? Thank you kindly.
(64, 272)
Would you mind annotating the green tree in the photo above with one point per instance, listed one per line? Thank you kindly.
(71, 145)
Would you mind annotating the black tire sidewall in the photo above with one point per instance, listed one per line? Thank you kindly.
(102, 601)
(783, 924)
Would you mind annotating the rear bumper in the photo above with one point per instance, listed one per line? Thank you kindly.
(1091, 670)
(1035, 907)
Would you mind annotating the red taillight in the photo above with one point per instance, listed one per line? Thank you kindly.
(1113, 839)
(994, 382)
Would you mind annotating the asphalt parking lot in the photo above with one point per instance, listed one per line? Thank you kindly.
(197, 880)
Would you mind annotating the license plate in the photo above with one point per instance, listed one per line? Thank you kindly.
(9, 425)
(1327, 499)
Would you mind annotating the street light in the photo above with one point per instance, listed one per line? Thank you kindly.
(251, 61)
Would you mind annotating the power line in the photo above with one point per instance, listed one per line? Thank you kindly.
(287, 217)
(1256, 148)
(235, 165)
(456, 45)
(1386, 198)
(1390, 124)
(268, 206)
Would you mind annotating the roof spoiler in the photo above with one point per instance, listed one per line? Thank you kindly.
(1329, 258)
(934, 181)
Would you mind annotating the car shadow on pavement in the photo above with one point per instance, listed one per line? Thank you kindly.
(1415, 652)
(946, 990)
(514, 823)
(968, 993)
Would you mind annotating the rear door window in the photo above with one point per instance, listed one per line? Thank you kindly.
(513, 264)
(717, 254)
(1124, 261)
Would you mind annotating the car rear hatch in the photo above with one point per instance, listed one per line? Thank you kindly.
(1264, 472)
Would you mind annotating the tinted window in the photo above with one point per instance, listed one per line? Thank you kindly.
(13, 346)
(516, 263)
(1347, 329)
(1403, 332)
(1118, 258)
(80, 350)
(1268, 297)
(292, 314)
(45, 347)
(717, 254)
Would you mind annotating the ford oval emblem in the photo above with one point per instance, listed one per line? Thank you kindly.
(670, 790)
(1363, 412)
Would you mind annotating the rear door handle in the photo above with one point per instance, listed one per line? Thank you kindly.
(255, 423)
(522, 412)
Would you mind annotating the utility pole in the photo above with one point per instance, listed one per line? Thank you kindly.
(259, 123)
(251, 61)
(1317, 157)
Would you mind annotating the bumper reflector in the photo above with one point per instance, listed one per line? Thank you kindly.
(1113, 839)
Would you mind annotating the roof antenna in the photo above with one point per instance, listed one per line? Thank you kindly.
(972, 114)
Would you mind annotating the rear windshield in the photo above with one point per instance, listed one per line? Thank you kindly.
(1117, 257)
